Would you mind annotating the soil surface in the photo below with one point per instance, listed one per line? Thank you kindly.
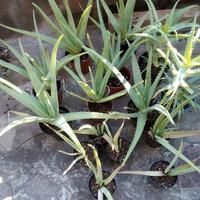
(114, 82)
(163, 181)
(94, 187)
(118, 156)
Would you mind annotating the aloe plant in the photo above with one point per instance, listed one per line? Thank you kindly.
(183, 66)
(113, 141)
(63, 26)
(100, 180)
(183, 76)
(122, 22)
(172, 22)
(169, 26)
(170, 170)
(161, 126)
(41, 64)
(103, 131)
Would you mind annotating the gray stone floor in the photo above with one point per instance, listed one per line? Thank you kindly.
(31, 167)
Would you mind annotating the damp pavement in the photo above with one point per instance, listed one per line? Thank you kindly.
(31, 167)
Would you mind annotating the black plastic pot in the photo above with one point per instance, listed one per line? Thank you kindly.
(165, 181)
(142, 61)
(115, 156)
(93, 186)
(150, 140)
(124, 47)
(132, 109)
(115, 85)
(89, 152)
(48, 128)
(59, 89)
(101, 108)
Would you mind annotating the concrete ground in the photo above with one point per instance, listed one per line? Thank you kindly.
(31, 167)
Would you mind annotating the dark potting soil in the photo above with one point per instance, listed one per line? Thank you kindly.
(48, 128)
(100, 107)
(4, 53)
(150, 140)
(124, 47)
(89, 152)
(58, 83)
(118, 156)
(115, 82)
(132, 109)
(142, 62)
(82, 58)
(152, 116)
(162, 181)
(94, 187)
(97, 140)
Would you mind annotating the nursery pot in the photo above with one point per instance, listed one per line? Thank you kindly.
(89, 152)
(115, 85)
(152, 116)
(85, 62)
(59, 89)
(101, 108)
(142, 58)
(150, 139)
(93, 186)
(165, 181)
(115, 156)
(47, 128)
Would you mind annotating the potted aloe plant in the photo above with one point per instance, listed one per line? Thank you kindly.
(45, 106)
(162, 173)
(171, 173)
(122, 22)
(67, 28)
(183, 67)
(40, 66)
(115, 146)
(168, 26)
(102, 184)
(183, 75)
(161, 125)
